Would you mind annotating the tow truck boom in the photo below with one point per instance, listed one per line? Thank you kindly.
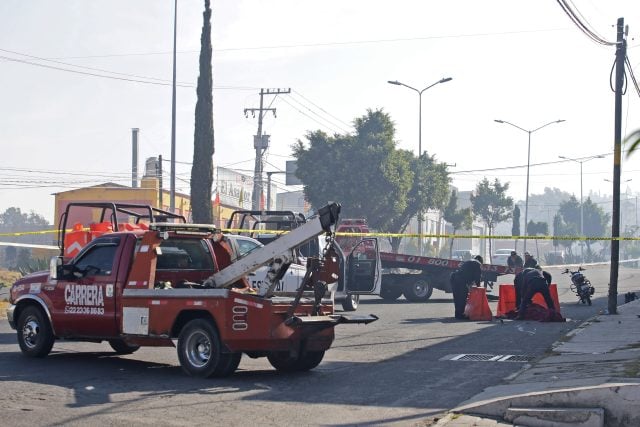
(327, 216)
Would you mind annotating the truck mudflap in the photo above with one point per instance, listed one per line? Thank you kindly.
(328, 321)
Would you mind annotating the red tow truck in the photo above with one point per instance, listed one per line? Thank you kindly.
(135, 284)
(413, 276)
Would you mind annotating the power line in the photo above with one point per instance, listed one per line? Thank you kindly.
(320, 108)
(576, 17)
(326, 44)
(127, 77)
(308, 116)
(335, 125)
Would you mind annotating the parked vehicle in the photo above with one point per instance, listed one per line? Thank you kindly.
(138, 284)
(580, 285)
(413, 276)
(462, 255)
(501, 256)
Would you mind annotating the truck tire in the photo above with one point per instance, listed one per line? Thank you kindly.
(418, 291)
(350, 303)
(35, 335)
(121, 347)
(390, 293)
(228, 364)
(199, 348)
(283, 360)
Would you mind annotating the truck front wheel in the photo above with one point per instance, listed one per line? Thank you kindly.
(418, 291)
(35, 335)
(199, 348)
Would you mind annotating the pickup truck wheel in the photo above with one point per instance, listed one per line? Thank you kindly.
(310, 360)
(283, 360)
(350, 303)
(390, 294)
(121, 347)
(228, 364)
(418, 291)
(35, 335)
(199, 348)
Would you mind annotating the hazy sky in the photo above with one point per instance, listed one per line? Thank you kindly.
(65, 125)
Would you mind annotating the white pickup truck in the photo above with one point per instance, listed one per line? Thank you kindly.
(357, 271)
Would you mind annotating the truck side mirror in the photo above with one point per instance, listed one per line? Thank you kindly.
(55, 264)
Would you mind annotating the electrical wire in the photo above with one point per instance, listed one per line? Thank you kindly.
(323, 44)
(320, 108)
(333, 124)
(632, 75)
(576, 17)
(308, 116)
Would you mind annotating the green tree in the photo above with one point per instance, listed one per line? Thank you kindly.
(14, 220)
(203, 142)
(458, 218)
(596, 221)
(369, 176)
(491, 204)
(515, 226)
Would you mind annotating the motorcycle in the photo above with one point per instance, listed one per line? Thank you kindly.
(580, 285)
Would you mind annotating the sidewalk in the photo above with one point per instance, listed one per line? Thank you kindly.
(591, 378)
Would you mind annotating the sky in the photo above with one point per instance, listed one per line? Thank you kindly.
(77, 76)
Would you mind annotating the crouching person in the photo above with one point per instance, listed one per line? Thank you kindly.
(468, 274)
(534, 281)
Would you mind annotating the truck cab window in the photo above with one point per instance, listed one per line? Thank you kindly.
(97, 260)
(184, 254)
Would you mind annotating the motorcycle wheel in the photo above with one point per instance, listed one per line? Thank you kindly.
(588, 300)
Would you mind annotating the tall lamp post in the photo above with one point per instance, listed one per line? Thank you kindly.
(419, 92)
(581, 161)
(526, 203)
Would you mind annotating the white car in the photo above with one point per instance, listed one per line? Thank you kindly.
(500, 256)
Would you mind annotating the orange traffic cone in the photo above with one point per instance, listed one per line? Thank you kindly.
(507, 301)
(477, 307)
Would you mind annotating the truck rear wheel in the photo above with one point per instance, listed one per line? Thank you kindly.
(199, 348)
(418, 291)
(121, 347)
(284, 361)
(35, 335)
(390, 293)
(350, 303)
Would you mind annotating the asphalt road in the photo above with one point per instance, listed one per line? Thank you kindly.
(396, 371)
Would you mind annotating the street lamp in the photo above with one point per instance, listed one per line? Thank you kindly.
(419, 92)
(581, 161)
(526, 203)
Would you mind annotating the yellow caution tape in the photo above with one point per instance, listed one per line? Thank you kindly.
(400, 235)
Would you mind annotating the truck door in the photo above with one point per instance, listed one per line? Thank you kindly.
(84, 304)
(363, 268)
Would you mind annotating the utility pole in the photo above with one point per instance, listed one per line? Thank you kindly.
(261, 143)
(621, 53)
(172, 177)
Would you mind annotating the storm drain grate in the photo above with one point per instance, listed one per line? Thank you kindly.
(489, 358)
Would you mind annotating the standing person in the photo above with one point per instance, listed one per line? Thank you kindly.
(535, 281)
(529, 261)
(468, 274)
(515, 260)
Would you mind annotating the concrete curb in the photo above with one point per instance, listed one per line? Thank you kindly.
(620, 401)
